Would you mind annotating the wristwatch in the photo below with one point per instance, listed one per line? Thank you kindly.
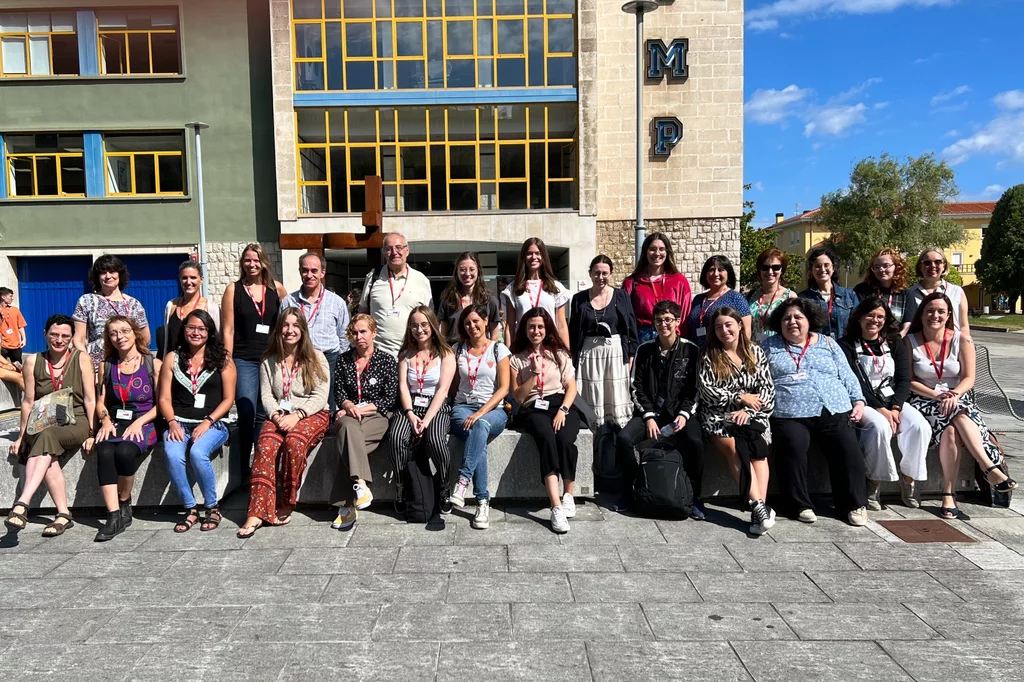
(563, 409)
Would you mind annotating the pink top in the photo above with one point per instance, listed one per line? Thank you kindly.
(643, 294)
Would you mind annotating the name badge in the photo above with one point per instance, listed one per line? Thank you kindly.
(542, 404)
(421, 401)
(660, 403)
(701, 332)
(200, 401)
(263, 329)
(285, 405)
(887, 392)
(362, 404)
(759, 336)
(394, 312)
(798, 376)
(941, 387)
(8, 331)
(123, 415)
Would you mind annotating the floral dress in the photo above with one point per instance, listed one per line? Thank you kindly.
(94, 310)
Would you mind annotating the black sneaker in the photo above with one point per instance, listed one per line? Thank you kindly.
(400, 500)
(762, 517)
(126, 511)
(446, 502)
(111, 528)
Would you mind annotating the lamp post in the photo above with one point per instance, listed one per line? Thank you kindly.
(197, 126)
(639, 8)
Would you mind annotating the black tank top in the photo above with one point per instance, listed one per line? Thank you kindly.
(249, 345)
(182, 399)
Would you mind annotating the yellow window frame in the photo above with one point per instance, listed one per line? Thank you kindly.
(28, 35)
(58, 159)
(149, 33)
(112, 191)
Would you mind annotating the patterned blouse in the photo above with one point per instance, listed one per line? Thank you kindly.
(719, 399)
(759, 314)
(94, 310)
(702, 310)
(378, 384)
(823, 380)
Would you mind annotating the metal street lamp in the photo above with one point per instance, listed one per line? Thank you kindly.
(639, 8)
(197, 126)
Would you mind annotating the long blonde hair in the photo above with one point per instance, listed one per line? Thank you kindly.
(266, 278)
(109, 351)
(721, 365)
(305, 355)
(439, 346)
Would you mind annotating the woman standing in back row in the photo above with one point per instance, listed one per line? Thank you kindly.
(190, 279)
(932, 268)
(108, 278)
(656, 279)
(535, 286)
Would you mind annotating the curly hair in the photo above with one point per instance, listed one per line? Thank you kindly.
(816, 318)
(216, 356)
(890, 329)
(350, 331)
(108, 263)
(57, 320)
(900, 279)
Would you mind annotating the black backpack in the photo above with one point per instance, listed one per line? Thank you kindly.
(662, 488)
(607, 475)
(422, 500)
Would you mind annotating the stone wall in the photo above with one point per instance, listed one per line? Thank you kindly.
(222, 263)
(693, 241)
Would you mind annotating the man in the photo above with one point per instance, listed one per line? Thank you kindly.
(325, 311)
(665, 395)
(392, 292)
(12, 328)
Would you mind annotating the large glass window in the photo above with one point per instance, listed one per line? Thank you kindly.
(456, 158)
(412, 44)
(45, 165)
(38, 44)
(139, 41)
(145, 163)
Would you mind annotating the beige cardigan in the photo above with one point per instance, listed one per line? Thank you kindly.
(272, 390)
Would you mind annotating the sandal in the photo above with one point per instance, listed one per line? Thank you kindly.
(283, 520)
(55, 529)
(212, 520)
(1004, 486)
(952, 513)
(248, 531)
(191, 519)
(17, 521)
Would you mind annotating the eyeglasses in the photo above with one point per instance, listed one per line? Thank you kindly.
(117, 333)
(665, 321)
(424, 325)
(883, 267)
(774, 268)
(396, 249)
(192, 329)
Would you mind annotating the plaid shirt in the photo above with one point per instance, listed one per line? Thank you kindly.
(327, 328)
(896, 300)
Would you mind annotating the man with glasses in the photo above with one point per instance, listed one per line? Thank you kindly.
(326, 312)
(392, 292)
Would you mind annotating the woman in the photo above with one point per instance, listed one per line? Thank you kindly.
(426, 366)
(248, 312)
(365, 388)
(465, 289)
(737, 397)
(823, 289)
(60, 367)
(545, 385)
(190, 278)
(942, 375)
(765, 298)
(816, 398)
(875, 351)
(719, 278)
(535, 286)
(931, 268)
(108, 278)
(294, 386)
(127, 412)
(478, 414)
(603, 336)
(887, 279)
(197, 388)
(655, 279)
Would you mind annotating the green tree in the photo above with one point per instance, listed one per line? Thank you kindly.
(1001, 267)
(752, 243)
(891, 203)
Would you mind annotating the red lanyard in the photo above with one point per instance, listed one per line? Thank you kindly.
(261, 307)
(540, 290)
(876, 360)
(831, 301)
(703, 310)
(287, 379)
(762, 313)
(798, 360)
(359, 378)
(391, 284)
(939, 367)
(319, 300)
(421, 376)
(473, 370)
(57, 383)
(114, 307)
(123, 391)
(193, 375)
(182, 313)
(540, 375)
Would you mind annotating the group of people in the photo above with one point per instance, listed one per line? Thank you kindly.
(847, 371)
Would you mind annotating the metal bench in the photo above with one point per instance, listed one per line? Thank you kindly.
(988, 394)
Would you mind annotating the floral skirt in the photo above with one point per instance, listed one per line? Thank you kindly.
(930, 410)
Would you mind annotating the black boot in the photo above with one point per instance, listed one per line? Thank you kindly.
(113, 526)
(126, 511)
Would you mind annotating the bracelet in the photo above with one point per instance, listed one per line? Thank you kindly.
(211, 419)
(408, 410)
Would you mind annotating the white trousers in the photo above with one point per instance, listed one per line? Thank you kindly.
(876, 441)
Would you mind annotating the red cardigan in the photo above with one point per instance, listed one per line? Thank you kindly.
(643, 294)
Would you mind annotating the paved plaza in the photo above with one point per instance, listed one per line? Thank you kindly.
(617, 598)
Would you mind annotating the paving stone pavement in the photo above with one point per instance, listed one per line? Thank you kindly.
(617, 598)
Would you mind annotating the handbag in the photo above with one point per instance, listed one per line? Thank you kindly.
(54, 409)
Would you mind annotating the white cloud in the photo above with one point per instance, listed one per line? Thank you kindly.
(1003, 136)
(881, 105)
(774, 106)
(1012, 99)
(952, 133)
(993, 191)
(759, 186)
(946, 96)
(767, 17)
(835, 120)
(857, 89)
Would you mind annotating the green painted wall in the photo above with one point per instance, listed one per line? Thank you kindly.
(219, 45)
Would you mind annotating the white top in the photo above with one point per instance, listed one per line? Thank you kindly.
(431, 378)
(876, 369)
(485, 369)
(922, 364)
(916, 294)
(536, 297)
(390, 302)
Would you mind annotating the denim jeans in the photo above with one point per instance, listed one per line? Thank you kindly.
(487, 427)
(332, 362)
(645, 333)
(250, 409)
(199, 455)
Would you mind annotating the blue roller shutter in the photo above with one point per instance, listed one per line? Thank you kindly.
(154, 281)
(49, 285)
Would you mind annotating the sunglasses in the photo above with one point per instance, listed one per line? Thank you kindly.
(773, 268)
(932, 262)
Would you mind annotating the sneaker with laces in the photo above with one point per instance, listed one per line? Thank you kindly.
(807, 516)
(569, 506)
(363, 496)
(858, 517)
(559, 523)
(446, 502)
(458, 497)
(874, 496)
(400, 499)
(346, 518)
(481, 519)
(762, 517)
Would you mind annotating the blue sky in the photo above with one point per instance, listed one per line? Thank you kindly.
(829, 82)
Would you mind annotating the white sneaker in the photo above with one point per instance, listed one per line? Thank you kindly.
(807, 516)
(481, 520)
(568, 506)
(363, 496)
(346, 518)
(559, 523)
(458, 497)
(858, 517)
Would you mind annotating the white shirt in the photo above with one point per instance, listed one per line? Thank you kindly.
(390, 301)
(536, 297)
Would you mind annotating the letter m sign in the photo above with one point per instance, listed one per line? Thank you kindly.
(671, 60)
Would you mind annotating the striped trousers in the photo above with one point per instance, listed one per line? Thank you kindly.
(434, 441)
(292, 449)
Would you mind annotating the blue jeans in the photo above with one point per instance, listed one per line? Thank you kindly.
(250, 409)
(645, 333)
(199, 454)
(474, 462)
(332, 362)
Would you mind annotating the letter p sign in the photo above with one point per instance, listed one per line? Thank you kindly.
(667, 131)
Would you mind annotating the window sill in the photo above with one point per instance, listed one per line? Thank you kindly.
(97, 200)
(39, 80)
(430, 214)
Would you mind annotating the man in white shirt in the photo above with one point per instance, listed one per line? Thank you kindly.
(392, 292)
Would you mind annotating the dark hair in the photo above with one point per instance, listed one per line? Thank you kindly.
(547, 275)
(216, 356)
(816, 253)
(5, 291)
(890, 330)
(551, 341)
(313, 254)
(770, 255)
(662, 307)
(477, 308)
(642, 265)
(816, 317)
(601, 258)
(452, 294)
(721, 365)
(722, 262)
(58, 319)
(108, 263)
(918, 324)
(190, 265)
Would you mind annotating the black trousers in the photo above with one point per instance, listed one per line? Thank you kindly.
(836, 439)
(688, 442)
(12, 354)
(558, 453)
(121, 458)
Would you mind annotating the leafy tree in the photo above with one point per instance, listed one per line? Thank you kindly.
(1001, 267)
(891, 203)
(752, 243)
